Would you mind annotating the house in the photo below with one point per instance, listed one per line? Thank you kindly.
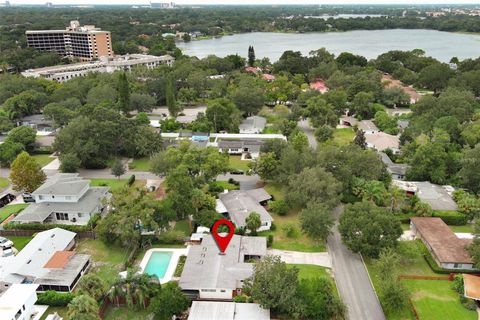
(438, 197)
(253, 70)
(368, 127)
(212, 310)
(249, 149)
(44, 127)
(238, 204)
(253, 124)
(64, 198)
(17, 303)
(382, 141)
(446, 248)
(268, 77)
(47, 261)
(207, 274)
(397, 170)
(390, 82)
(319, 85)
(471, 285)
(348, 121)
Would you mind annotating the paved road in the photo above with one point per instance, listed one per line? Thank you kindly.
(350, 273)
(316, 258)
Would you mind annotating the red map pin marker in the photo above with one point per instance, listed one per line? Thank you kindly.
(222, 242)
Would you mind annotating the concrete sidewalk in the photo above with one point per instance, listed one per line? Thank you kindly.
(295, 257)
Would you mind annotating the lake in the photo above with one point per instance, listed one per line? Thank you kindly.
(440, 45)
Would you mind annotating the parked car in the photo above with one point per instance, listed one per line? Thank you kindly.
(6, 199)
(27, 197)
(5, 243)
(8, 252)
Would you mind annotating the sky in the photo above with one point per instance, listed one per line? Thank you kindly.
(144, 2)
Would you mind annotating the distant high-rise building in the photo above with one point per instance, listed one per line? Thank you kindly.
(83, 42)
(49, 4)
(162, 5)
(5, 4)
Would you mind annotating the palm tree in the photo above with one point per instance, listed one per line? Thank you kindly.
(135, 288)
(84, 307)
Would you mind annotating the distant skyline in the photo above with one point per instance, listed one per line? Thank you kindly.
(246, 2)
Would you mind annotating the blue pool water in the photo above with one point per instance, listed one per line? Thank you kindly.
(158, 263)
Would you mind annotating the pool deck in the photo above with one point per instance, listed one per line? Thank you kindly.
(176, 253)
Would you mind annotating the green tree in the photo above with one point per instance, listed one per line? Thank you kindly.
(118, 168)
(265, 166)
(9, 151)
(92, 285)
(368, 229)
(324, 133)
(123, 93)
(69, 163)
(274, 286)
(142, 102)
(23, 135)
(251, 56)
(172, 105)
(25, 103)
(469, 174)
(135, 287)
(319, 300)
(320, 112)
(313, 185)
(169, 302)
(253, 222)
(435, 76)
(362, 104)
(26, 174)
(299, 141)
(474, 247)
(83, 307)
(249, 100)
(360, 139)
(223, 114)
(316, 221)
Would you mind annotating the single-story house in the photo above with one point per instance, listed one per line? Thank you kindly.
(64, 198)
(207, 274)
(44, 127)
(212, 310)
(268, 77)
(254, 70)
(471, 285)
(398, 171)
(438, 197)
(394, 83)
(253, 124)
(381, 141)
(17, 303)
(348, 121)
(368, 127)
(249, 149)
(48, 261)
(238, 204)
(446, 248)
(319, 85)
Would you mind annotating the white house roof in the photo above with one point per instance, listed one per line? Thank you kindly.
(382, 141)
(211, 310)
(14, 298)
(64, 184)
(367, 125)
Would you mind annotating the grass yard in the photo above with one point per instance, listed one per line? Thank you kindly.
(20, 242)
(4, 183)
(437, 300)
(227, 185)
(308, 271)
(108, 258)
(42, 159)
(62, 312)
(7, 211)
(142, 164)
(468, 228)
(236, 163)
(343, 136)
(275, 190)
(124, 313)
(114, 184)
(405, 226)
(183, 226)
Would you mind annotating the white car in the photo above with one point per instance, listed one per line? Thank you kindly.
(5, 243)
(7, 252)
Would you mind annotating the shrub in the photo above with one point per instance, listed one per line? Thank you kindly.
(279, 207)
(55, 299)
(270, 240)
(233, 181)
(457, 284)
(214, 187)
(171, 237)
(273, 227)
(290, 230)
(92, 223)
(131, 180)
(470, 304)
(240, 231)
(240, 299)
(41, 227)
(452, 218)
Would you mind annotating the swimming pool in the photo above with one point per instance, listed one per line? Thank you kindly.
(158, 263)
(162, 262)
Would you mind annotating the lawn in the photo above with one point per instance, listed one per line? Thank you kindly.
(108, 259)
(405, 226)
(237, 164)
(437, 300)
(4, 183)
(275, 190)
(226, 185)
(124, 313)
(468, 228)
(343, 136)
(20, 242)
(183, 226)
(114, 184)
(308, 271)
(42, 159)
(62, 312)
(142, 164)
(7, 211)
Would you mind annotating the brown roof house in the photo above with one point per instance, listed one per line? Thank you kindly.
(446, 248)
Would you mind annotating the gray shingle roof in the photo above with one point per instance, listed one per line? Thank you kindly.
(205, 268)
(66, 184)
(240, 203)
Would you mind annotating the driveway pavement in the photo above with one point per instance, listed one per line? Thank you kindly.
(246, 182)
(352, 279)
(309, 131)
(316, 258)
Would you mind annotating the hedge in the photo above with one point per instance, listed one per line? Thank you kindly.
(452, 218)
(437, 269)
(41, 227)
(55, 299)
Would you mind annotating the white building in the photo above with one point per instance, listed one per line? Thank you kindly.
(17, 303)
(62, 73)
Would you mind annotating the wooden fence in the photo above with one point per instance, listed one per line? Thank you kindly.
(415, 277)
(29, 233)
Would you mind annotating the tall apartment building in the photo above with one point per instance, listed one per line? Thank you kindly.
(83, 42)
